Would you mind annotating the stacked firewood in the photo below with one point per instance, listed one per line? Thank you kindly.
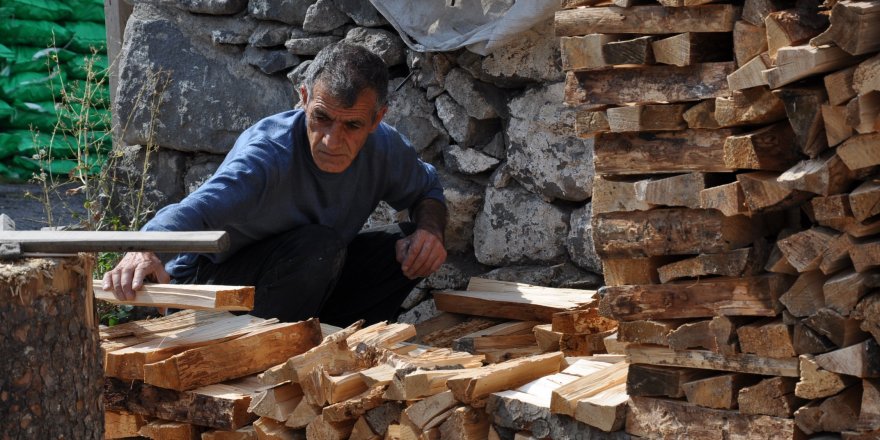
(735, 209)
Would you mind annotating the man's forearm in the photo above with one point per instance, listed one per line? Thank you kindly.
(430, 215)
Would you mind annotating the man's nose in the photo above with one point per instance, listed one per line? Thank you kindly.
(333, 136)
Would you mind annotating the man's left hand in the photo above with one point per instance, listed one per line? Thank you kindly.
(420, 254)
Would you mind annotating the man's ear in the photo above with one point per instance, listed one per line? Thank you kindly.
(379, 115)
(304, 94)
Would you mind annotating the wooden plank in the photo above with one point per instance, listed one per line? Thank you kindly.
(652, 380)
(244, 433)
(664, 152)
(773, 396)
(692, 48)
(860, 151)
(739, 262)
(660, 418)
(646, 20)
(739, 363)
(860, 360)
(181, 296)
(248, 354)
(220, 406)
(853, 26)
(117, 241)
(523, 302)
(651, 117)
(749, 74)
(817, 383)
(481, 382)
(605, 409)
(729, 199)
(799, 62)
(165, 430)
(753, 296)
(630, 51)
(647, 84)
(564, 400)
(277, 403)
(752, 106)
(771, 148)
(585, 52)
(749, 41)
(671, 232)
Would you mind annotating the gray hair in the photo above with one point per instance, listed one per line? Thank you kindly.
(346, 70)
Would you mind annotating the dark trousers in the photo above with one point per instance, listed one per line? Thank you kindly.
(309, 272)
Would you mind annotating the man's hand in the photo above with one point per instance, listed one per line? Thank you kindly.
(128, 276)
(420, 254)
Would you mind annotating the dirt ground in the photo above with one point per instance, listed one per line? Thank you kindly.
(29, 212)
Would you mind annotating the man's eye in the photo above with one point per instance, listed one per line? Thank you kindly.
(353, 125)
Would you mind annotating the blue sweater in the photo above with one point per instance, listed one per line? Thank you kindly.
(268, 183)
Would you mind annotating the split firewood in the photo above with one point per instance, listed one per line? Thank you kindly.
(583, 344)
(824, 176)
(749, 41)
(865, 76)
(361, 431)
(869, 412)
(836, 128)
(581, 321)
(277, 403)
(844, 290)
(480, 382)
(754, 11)
(772, 397)
(629, 51)
(749, 75)
(754, 106)
(665, 152)
(803, 106)
(546, 338)
(680, 190)
(860, 360)
(648, 117)
(719, 392)
(302, 415)
(244, 433)
(653, 380)
(787, 28)
(384, 416)
(818, 383)
(842, 331)
(122, 424)
(693, 335)
(623, 271)
(163, 429)
(584, 52)
(868, 312)
(808, 341)
(739, 363)
(181, 296)
(566, 398)
(799, 62)
(834, 414)
(702, 115)
(839, 86)
(728, 198)
(767, 338)
(805, 296)
(862, 113)
(741, 262)
(853, 26)
(587, 124)
(804, 250)
(320, 429)
(646, 20)
(771, 148)
(647, 331)
(860, 151)
(692, 48)
(465, 423)
(647, 418)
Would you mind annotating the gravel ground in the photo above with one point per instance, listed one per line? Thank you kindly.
(28, 211)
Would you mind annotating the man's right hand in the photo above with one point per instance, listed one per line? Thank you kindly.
(128, 276)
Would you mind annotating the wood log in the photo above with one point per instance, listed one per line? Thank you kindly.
(702, 115)
(753, 296)
(860, 360)
(773, 396)
(740, 363)
(630, 51)
(180, 296)
(665, 152)
(583, 53)
(615, 195)
(853, 26)
(50, 363)
(692, 48)
(622, 271)
(767, 338)
(320, 429)
(647, 84)
(839, 86)
(860, 151)
(817, 383)
(840, 330)
(122, 424)
(868, 312)
(652, 380)
(527, 407)
(220, 406)
(465, 423)
(836, 128)
(804, 250)
(749, 74)
(650, 117)
(646, 20)
(749, 41)
(590, 123)
(718, 392)
(799, 62)
(787, 28)
(770, 148)
(71, 242)
(844, 290)
(865, 76)
(248, 354)
(825, 175)
(535, 305)
(476, 385)
(837, 413)
(864, 201)
(680, 190)
(646, 332)
(581, 321)
(862, 112)
(741, 262)
(649, 417)
(165, 430)
(693, 335)
(803, 106)
(728, 198)
(764, 193)
(753, 106)
(672, 232)
(805, 296)
(276, 403)
(244, 433)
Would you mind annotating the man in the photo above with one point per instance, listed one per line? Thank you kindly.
(293, 194)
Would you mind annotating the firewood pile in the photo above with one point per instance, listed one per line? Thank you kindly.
(211, 375)
(735, 209)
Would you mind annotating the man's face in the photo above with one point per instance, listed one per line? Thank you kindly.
(337, 133)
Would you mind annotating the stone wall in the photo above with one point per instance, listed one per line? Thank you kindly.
(517, 180)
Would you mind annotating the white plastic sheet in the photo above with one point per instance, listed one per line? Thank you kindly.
(444, 25)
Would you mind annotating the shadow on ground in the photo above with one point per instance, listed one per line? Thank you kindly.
(24, 204)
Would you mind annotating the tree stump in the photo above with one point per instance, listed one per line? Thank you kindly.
(51, 375)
